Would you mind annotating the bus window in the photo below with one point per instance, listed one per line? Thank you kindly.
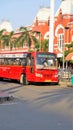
(47, 61)
(18, 62)
(5, 61)
(23, 61)
(9, 61)
(28, 61)
(2, 61)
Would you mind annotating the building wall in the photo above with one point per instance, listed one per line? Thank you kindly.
(63, 25)
(63, 30)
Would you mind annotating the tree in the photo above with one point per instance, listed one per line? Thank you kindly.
(69, 50)
(8, 40)
(28, 37)
(44, 44)
(1, 37)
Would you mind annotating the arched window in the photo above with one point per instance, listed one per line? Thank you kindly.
(60, 41)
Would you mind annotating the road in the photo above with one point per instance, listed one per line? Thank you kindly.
(36, 107)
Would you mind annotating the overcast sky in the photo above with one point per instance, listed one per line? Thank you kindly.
(22, 12)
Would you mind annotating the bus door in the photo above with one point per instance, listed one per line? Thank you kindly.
(30, 71)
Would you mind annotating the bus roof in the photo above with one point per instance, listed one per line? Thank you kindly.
(19, 54)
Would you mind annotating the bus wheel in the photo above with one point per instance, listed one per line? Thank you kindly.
(23, 80)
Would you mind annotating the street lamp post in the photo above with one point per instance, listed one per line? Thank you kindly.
(66, 28)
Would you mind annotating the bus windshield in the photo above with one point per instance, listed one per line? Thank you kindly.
(46, 61)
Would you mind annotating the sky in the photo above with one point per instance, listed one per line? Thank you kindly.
(22, 12)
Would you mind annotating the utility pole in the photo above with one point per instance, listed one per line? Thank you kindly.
(51, 30)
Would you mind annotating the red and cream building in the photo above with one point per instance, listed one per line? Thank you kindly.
(63, 25)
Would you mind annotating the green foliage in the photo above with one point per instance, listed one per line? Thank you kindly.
(27, 36)
(45, 45)
(37, 43)
(71, 61)
(69, 50)
(8, 40)
(1, 36)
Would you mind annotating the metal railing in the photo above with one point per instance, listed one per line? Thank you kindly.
(65, 74)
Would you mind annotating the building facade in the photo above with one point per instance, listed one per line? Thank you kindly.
(63, 26)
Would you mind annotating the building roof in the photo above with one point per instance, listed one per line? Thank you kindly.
(66, 6)
(43, 14)
(5, 24)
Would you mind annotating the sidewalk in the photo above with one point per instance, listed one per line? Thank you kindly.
(65, 83)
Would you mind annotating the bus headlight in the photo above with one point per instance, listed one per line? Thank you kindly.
(39, 75)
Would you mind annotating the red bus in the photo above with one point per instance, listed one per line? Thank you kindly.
(29, 67)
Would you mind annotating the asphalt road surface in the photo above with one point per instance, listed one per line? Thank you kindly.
(36, 107)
